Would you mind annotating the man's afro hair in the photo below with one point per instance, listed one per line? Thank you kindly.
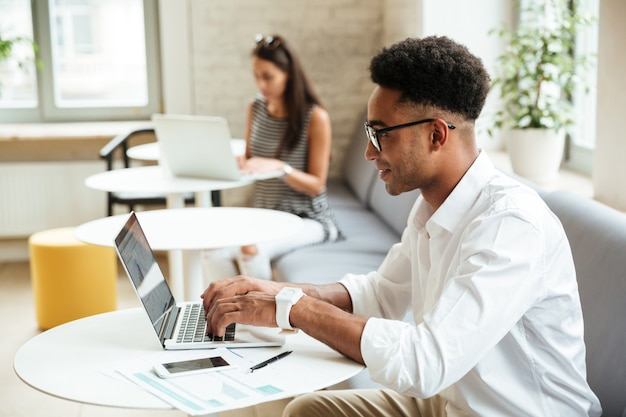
(434, 71)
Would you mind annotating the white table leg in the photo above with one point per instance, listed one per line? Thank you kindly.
(176, 263)
(177, 275)
(203, 199)
(193, 281)
(175, 200)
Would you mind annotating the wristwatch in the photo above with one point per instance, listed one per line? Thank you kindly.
(287, 169)
(285, 299)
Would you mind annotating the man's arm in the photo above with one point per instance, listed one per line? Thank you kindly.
(324, 314)
(330, 324)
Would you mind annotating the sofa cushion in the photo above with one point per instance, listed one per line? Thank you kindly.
(322, 265)
(393, 210)
(364, 230)
(597, 235)
(367, 241)
(340, 196)
(359, 173)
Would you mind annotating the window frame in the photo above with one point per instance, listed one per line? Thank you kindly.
(579, 152)
(47, 111)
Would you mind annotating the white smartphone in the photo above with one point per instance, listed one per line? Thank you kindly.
(190, 367)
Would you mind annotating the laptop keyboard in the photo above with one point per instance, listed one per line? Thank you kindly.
(193, 327)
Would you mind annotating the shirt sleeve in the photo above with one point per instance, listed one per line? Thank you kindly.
(385, 292)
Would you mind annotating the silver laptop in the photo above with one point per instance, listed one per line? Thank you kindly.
(177, 325)
(199, 147)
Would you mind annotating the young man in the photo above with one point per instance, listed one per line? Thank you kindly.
(483, 265)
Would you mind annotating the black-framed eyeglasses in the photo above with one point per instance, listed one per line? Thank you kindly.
(269, 42)
(372, 134)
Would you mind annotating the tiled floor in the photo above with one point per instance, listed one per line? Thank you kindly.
(18, 325)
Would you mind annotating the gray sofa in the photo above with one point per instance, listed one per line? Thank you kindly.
(372, 221)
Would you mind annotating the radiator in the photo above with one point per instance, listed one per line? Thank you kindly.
(43, 195)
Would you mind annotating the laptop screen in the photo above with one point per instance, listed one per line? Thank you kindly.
(144, 272)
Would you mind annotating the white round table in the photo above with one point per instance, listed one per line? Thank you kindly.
(68, 361)
(154, 180)
(152, 151)
(191, 230)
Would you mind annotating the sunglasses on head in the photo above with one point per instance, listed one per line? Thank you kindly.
(269, 42)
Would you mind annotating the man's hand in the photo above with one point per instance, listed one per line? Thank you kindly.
(242, 300)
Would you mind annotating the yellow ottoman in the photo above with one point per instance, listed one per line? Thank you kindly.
(70, 279)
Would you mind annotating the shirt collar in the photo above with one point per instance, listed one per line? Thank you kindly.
(461, 199)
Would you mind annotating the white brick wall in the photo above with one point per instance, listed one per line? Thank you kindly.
(334, 39)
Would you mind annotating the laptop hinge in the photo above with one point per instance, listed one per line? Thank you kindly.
(168, 324)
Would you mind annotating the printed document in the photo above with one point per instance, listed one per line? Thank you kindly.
(216, 391)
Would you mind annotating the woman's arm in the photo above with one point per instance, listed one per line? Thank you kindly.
(247, 134)
(314, 180)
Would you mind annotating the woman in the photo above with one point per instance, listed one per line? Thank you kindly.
(289, 130)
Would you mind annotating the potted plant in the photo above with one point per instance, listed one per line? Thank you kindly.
(538, 73)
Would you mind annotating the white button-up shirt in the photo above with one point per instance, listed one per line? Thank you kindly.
(490, 282)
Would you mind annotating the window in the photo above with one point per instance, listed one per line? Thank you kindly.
(99, 60)
(581, 138)
(579, 152)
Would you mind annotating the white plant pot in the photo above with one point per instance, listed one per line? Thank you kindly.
(536, 154)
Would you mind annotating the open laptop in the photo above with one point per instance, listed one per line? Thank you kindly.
(177, 325)
(199, 147)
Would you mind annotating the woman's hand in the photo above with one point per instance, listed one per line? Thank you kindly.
(258, 164)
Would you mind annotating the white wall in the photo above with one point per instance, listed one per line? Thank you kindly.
(469, 23)
(402, 19)
(175, 42)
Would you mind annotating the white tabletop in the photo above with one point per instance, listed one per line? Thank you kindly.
(152, 151)
(192, 230)
(153, 179)
(197, 228)
(68, 361)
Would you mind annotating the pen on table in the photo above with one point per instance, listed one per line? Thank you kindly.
(270, 360)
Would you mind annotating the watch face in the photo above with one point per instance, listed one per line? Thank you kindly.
(287, 294)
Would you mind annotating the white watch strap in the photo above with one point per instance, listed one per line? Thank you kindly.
(287, 170)
(282, 315)
(285, 299)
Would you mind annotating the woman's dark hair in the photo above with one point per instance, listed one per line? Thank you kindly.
(299, 93)
(434, 71)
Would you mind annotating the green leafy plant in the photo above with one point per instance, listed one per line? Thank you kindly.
(6, 50)
(538, 69)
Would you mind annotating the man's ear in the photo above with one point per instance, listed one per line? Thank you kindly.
(439, 135)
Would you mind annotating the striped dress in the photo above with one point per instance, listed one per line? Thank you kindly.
(274, 194)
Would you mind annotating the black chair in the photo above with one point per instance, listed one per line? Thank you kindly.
(116, 148)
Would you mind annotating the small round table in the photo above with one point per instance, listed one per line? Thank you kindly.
(154, 180)
(191, 230)
(152, 151)
(70, 360)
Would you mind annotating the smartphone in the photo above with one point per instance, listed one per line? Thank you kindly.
(190, 367)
